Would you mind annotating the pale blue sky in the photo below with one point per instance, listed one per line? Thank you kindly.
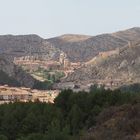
(49, 18)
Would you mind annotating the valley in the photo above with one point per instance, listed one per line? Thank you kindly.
(71, 61)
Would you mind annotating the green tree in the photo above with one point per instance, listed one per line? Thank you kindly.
(62, 101)
(75, 118)
(2, 137)
(30, 124)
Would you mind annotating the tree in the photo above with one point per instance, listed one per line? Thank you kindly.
(2, 137)
(75, 119)
(34, 137)
(30, 124)
(62, 101)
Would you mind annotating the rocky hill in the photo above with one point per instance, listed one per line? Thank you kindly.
(83, 48)
(86, 49)
(124, 65)
(26, 45)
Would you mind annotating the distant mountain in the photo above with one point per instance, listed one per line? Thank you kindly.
(132, 34)
(86, 48)
(73, 37)
(83, 48)
(79, 48)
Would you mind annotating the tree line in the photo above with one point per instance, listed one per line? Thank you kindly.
(68, 118)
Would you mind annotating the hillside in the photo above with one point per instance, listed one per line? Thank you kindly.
(14, 75)
(86, 49)
(5, 79)
(118, 123)
(123, 66)
(129, 34)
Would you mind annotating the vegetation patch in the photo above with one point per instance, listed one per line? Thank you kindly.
(95, 115)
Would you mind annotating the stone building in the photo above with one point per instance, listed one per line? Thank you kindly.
(62, 57)
(64, 61)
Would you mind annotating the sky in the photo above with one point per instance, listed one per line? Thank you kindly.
(49, 18)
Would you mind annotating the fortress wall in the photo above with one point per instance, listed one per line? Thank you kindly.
(108, 53)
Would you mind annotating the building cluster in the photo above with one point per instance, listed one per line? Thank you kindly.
(25, 59)
(32, 63)
(12, 94)
(32, 58)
